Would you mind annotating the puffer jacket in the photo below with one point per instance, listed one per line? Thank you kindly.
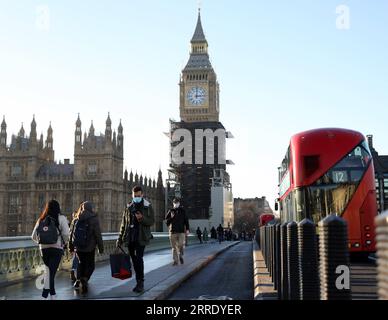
(94, 231)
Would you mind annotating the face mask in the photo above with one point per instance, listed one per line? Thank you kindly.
(176, 205)
(137, 199)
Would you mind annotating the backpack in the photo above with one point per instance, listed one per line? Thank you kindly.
(80, 237)
(47, 231)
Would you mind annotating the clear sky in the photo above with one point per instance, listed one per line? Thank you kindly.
(283, 67)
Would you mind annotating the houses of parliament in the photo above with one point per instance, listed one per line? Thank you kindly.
(29, 177)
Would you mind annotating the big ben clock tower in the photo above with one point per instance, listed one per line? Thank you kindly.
(203, 186)
(199, 89)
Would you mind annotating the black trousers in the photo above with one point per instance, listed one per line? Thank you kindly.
(51, 258)
(86, 265)
(136, 252)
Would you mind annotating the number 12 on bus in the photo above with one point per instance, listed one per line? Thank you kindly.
(330, 171)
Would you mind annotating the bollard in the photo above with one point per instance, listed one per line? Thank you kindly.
(267, 245)
(274, 255)
(278, 262)
(264, 244)
(284, 261)
(293, 261)
(382, 255)
(308, 261)
(270, 251)
(334, 257)
(261, 238)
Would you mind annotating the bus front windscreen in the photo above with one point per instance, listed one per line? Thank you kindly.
(332, 192)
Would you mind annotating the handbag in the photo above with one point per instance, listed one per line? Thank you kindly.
(120, 265)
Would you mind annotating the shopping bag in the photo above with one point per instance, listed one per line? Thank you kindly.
(120, 265)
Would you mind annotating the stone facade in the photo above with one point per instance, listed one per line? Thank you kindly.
(259, 205)
(30, 177)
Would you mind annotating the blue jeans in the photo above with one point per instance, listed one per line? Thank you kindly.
(74, 265)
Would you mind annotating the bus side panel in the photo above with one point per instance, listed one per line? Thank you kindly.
(367, 215)
(361, 211)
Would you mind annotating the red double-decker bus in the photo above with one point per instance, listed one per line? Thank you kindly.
(330, 171)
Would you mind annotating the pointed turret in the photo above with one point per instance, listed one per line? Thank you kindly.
(108, 129)
(33, 134)
(41, 142)
(120, 139)
(21, 132)
(49, 139)
(145, 181)
(3, 133)
(160, 178)
(91, 130)
(78, 133)
(199, 35)
(114, 139)
(131, 177)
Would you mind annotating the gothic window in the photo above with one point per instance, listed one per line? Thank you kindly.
(16, 170)
(41, 201)
(92, 169)
(15, 203)
(78, 138)
(68, 202)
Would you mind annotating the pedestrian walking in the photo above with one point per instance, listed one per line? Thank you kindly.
(213, 233)
(51, 231)
(205, 235)
(199, 234)
(178, 224)
(135, 232)
(220, 233)
(85, 237)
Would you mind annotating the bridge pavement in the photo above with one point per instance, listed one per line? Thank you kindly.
(161, 278)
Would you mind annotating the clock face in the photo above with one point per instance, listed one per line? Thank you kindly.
(196, 96)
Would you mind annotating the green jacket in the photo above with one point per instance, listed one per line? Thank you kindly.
(144, 225)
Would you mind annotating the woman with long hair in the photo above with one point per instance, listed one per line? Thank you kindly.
(52, 251)
(84, 239)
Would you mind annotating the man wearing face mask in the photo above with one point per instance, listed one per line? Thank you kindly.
(178, 224)
(135, 232)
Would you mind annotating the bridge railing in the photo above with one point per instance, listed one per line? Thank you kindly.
(20, 257)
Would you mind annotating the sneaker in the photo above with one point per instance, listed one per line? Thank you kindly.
(139, 287)
(53, 297)
(76, 285)
(73, 278)
(175, 263)
(84, 287)
(181, 259)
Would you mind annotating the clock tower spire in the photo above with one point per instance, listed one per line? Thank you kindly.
(199, 89)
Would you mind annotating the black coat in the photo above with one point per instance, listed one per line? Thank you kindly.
(177, 221)
(94, 232)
